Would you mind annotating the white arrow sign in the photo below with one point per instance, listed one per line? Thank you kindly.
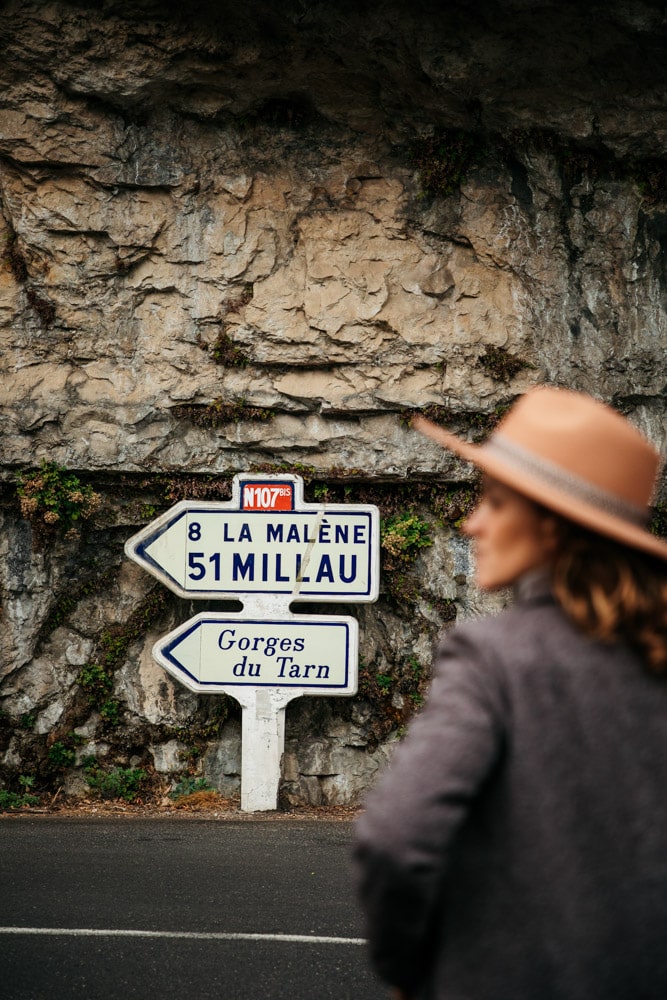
(215, 652)
(266, 540)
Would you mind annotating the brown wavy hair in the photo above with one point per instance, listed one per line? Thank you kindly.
(613, 592)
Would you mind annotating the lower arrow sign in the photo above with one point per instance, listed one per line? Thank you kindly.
(215, 652)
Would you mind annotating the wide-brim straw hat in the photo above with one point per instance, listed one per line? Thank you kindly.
(575, 456)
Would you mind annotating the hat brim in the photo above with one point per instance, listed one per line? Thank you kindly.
(546, 494)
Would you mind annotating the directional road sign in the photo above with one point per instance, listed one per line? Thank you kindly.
(268, 548)
(214, 652)
(266, 540)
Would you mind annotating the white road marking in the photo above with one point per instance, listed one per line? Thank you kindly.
(185, 935)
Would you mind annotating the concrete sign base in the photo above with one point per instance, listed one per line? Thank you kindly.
(262, 745)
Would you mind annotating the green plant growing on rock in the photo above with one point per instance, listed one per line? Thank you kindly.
(190, 786)
(191, 754)
(225, 352)
(96, 677)
(376, 689)
(60, 756)
(18, 800)
(98, 582)
(412, 682)
(95, 681)
(499, 364)
(110, 711)
(402, 536)
(392, 697)
(466, 421)
(218, 413)
(322, 493)
(55, 499)
(118, 783)
(453, 504)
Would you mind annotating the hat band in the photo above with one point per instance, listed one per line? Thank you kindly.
(566, 482)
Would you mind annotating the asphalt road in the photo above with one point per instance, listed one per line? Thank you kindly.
(139, 908)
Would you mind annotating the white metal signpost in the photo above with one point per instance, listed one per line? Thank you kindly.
(267, 548)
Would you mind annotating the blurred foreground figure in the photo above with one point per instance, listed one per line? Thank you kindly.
(516, 846)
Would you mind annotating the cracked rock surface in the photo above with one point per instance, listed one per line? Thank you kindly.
(220, 250)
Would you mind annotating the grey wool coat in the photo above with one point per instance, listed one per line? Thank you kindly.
(516, 846)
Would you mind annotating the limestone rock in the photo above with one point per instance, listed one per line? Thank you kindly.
(220, 214)
(222, 762)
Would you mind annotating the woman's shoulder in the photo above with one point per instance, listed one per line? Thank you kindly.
(527, 631)
(521, 617)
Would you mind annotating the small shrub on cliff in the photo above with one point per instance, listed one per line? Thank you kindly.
(467, 421)
(225, 352)
(453, 504)
(218, 413)
(96, 677)
(60, 756)
(392, 697)
(118, 783)
(17, 800)
(54, 498)
(95, 681)
(189, 786)
(110, 711)
(402, 536)
(499, 364)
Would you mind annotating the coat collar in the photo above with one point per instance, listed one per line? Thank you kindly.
(533, 585)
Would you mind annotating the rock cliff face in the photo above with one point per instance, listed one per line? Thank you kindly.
(254, 239)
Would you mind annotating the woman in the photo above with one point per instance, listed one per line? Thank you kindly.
(516, 847)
